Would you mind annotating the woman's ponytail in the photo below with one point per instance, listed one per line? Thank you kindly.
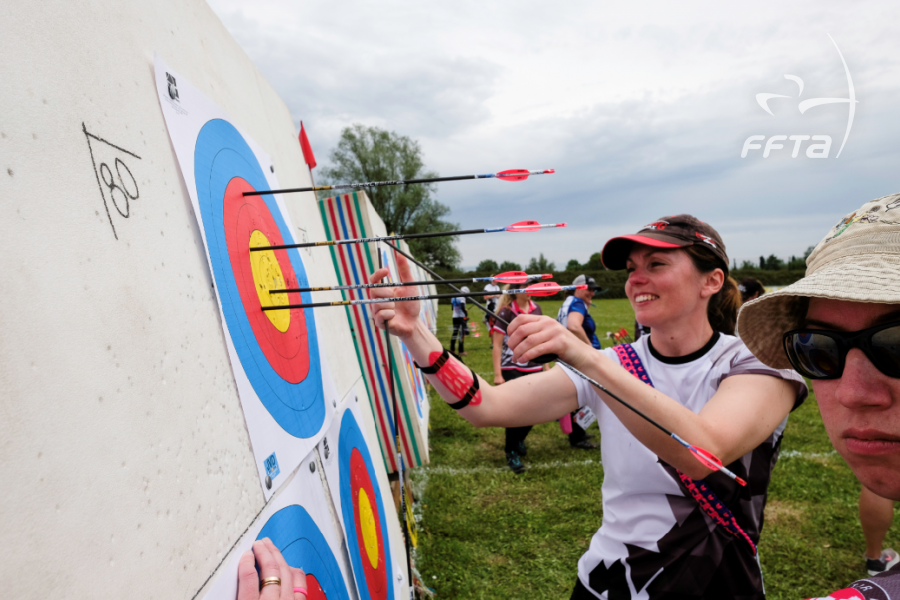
(723, 306)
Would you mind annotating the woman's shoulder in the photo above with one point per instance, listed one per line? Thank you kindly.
(734, 358)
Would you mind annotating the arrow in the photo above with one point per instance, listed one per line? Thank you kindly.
(520, 227)
(706, 458)
(511, 277)
(547, 288)
(508, 175)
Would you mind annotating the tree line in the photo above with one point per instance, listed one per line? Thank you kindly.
(374, 154)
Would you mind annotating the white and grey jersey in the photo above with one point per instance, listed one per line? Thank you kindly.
(655, 540)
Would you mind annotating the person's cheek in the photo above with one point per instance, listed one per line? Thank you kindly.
(829, 409)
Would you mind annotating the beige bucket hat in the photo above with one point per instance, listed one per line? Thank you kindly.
(859, 260)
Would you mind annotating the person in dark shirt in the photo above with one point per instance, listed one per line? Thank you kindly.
(506, 369)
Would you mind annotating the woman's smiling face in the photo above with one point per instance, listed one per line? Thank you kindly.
(664, 286)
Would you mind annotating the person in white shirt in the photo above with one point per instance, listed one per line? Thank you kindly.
(661, 537)
(491, 303)
(460, 328)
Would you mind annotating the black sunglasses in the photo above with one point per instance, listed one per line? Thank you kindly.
(821, 354)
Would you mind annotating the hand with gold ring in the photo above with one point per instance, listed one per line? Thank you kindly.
(276, 580)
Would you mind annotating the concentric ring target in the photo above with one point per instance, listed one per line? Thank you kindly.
(303, 546)
(278, 350)
(364, 517)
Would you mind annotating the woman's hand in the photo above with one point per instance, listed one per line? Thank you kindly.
(271, 564)
(402, 317)
(531, 336)
(498, 380)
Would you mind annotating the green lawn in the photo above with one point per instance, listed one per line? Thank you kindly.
(487, 533)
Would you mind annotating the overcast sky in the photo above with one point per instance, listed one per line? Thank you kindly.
(642, 108)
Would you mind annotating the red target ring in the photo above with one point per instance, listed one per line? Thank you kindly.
(368, 528)
(314, 591)
(243, 217)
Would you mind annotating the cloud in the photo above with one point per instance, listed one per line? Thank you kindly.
(642, 109)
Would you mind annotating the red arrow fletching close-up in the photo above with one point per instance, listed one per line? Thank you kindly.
(512, 277)
(513, 175)
(547, 288)
(524, 226)
(711, 461)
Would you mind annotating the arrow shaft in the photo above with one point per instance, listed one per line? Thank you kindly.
(563, 288)
(408, 236)
(356, 186)
(366, 286)
(399, 236)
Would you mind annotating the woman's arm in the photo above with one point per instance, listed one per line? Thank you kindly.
(496, 355)
(742, 414)
(539, 398)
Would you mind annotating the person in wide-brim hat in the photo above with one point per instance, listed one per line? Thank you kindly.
(840, 327)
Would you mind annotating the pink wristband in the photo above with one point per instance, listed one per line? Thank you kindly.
(301, 590)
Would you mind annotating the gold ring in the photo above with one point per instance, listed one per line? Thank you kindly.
(270, 581)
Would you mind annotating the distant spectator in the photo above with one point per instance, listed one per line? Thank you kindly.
(640, 329)
(460, 317)
(751, 289)
(491, 302)
(506, 369)
(575, 316)
(875, 516)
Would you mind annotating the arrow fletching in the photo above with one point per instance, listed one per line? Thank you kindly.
(550, 288)
(708, 459)
(521, 174)
(513, 277)
(525, 226)
(513, 175)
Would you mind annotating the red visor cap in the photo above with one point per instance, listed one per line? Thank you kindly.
(677, 231)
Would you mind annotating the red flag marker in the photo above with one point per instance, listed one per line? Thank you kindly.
(308, 156)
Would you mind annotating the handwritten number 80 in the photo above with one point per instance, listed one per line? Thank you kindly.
(123, 189)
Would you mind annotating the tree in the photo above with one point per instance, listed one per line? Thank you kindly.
(773, 263)
(488, 265)
(594, 263)
(748, 265)
(373, 154)
(540, 265)
(508, 265)
(573, 265)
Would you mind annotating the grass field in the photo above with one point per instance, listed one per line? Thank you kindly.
(487, 533)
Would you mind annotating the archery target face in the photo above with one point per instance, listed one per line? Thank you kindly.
(278, 350)
(363, 513)
(303, 546)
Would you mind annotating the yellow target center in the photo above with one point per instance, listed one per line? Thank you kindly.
(267, 276)
(367, 524)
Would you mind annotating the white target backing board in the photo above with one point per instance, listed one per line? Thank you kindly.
(300, 522)
(282, 376)
(125, 458)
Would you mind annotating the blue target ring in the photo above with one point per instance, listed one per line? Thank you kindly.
(350, 439)
(303, 546)
(220, 155)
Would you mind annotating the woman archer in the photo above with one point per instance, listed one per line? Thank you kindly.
(672, 528)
